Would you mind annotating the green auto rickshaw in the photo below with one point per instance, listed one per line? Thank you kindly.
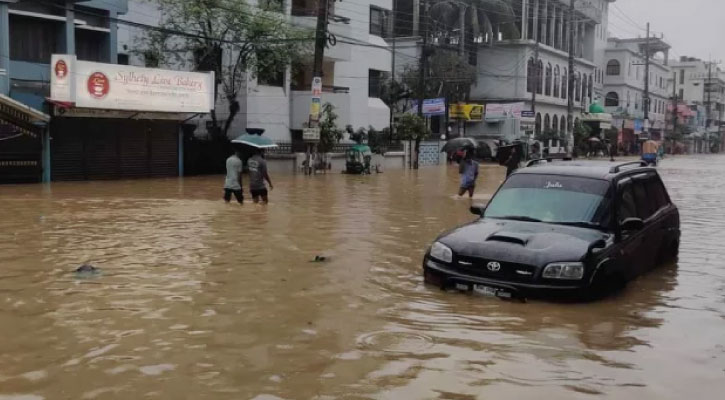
(357, 159)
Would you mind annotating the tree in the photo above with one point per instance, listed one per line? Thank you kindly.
(330, 134)
(412, 127)
(581, 138)
(231, 38)
(449, 76)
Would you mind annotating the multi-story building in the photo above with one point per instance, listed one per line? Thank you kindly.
(30, 32)
(624, 87)
(279, 101)
(699, 83)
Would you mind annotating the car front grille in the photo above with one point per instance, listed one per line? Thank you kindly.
(510, 272)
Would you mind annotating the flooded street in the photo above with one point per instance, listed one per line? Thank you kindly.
(202, 300)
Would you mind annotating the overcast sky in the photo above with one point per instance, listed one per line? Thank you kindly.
(694, 28)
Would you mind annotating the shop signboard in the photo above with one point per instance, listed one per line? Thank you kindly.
(123, 87)
(466, 112)
(501, 111)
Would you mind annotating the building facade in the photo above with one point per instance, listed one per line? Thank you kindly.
(353, 70)
(700, 86)
(624, 88)
(30, 32)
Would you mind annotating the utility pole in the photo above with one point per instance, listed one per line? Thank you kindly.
(646, 85)
(674, 110)
(708, 103)
(316, 105)
(320, 36)
(536, 77)
(423, 70)
(391, 129)
(570, 86)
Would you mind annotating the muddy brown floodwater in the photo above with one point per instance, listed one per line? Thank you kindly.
(202, 300)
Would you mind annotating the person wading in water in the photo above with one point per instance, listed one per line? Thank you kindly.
(469, 173)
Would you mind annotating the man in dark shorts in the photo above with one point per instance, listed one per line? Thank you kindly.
(233, 181)
(257, 175)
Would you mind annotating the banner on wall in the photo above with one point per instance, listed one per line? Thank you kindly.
(122, 87)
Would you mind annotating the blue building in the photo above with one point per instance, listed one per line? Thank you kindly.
(30, 32)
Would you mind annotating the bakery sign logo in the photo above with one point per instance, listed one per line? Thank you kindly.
(98, 85)
(61, 69)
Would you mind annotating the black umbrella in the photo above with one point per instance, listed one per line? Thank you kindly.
(459, 143)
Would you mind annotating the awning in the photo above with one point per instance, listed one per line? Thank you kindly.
(17, 119)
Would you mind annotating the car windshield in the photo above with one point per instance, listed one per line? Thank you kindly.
(553, 199)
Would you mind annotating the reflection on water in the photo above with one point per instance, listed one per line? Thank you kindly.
(199, 299)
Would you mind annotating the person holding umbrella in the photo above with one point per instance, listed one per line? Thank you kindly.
(257, 175)
(512, 164)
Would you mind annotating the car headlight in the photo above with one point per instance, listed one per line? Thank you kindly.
(441, 252)
(564, 270)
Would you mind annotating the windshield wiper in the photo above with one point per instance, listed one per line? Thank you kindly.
(581, 224)
(519, 218)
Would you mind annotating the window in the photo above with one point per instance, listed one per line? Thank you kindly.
(564, 84)
(585, 86)
(591, 88)
(122, 59)
(562, 123)
(612, 99)
(540, 72)
(627, 207)
(376, 79)
(557, 84)
(537, 128)
(33, 40)
(636, 101)
(547, 123)
(577, 86)
(551, 198)
(644, 206)
(613, 68)
(548, 79)
(555, 124)
(657, 193)
(378, 21)
(682, 77)
(270, 71)
(682, 94)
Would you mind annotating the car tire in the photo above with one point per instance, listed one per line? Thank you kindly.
(605, 284)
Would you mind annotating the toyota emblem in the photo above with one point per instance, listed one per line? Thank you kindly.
(493, 266)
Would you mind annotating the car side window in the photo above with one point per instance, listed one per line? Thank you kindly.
(644, 204)
(626, 206)
(657, 193)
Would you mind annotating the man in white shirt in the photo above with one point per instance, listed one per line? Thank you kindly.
(233, 182)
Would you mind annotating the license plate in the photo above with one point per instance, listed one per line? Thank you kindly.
(492, 291)
(462, 287)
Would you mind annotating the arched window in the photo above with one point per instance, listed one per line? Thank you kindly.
(537, 129)
(562, 122)
(585, 86)
(612, 100)
(547, 123)
(555, 124)
(548, 79)
(531, 68)
(564, 84)
(540, 70)
(557, 84)
(578, 86)
(613, 68)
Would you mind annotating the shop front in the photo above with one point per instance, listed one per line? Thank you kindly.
(117, 122)
(22, 130)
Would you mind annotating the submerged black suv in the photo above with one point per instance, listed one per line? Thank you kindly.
(561, 228)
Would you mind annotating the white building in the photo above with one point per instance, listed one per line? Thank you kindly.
(624, 86)
(699, 83)
(509, 70)
(280, 103)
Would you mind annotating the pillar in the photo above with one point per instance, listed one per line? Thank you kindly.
(536, 20)
(524, 19)
(462, 36)
(4, 49)
(416, 17)
(552, 27)
(70, 28)
(181, 150)
(545, 22)
(113, 38)
(562, 32)
(46, 155)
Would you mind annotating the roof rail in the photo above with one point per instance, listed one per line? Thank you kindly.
(536, 161)
(618, 168)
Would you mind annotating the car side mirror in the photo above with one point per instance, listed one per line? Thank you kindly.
(478, 210)
(632, 225)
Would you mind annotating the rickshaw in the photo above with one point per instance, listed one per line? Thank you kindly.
(650, 150)
(357, 159)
